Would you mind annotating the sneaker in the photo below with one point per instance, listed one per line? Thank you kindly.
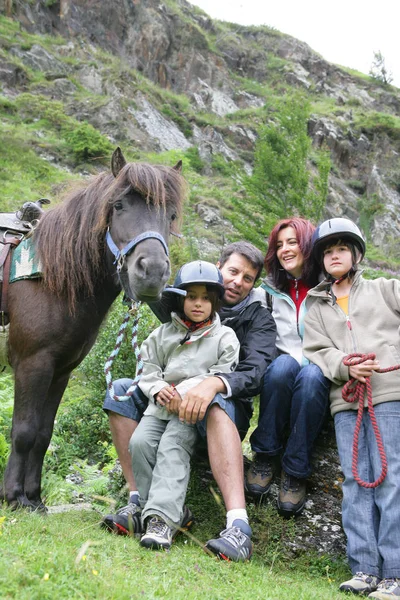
(233, 543)
(292, 495)
(159, 535)
(259, 477)
(360, 583)
(387, 589)
(126, 521)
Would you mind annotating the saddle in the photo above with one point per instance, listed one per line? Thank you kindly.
(14, 227)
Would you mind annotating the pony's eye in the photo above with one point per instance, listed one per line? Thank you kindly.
(118, 206)
(173, 217)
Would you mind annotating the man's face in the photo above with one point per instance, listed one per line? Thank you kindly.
(239, 278)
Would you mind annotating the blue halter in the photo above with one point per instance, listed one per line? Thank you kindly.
(121, 254)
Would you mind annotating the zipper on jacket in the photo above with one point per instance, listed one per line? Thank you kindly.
(350, 328)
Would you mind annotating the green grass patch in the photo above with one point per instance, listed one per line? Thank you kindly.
(68, 556)
(377, 122)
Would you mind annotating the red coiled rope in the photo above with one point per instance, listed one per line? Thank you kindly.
(354, 391)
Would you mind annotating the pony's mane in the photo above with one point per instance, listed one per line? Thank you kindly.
(70, 238)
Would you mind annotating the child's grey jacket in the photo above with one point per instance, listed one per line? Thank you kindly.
(373, 325)
(209, 350)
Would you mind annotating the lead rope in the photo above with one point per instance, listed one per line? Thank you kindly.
(354, 391)
(133, 311)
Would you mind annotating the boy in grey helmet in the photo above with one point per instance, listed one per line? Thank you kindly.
(176, 357)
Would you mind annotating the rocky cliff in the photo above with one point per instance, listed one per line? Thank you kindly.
(180, 80)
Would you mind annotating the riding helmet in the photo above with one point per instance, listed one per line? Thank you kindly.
(202, 272)
(334, 229)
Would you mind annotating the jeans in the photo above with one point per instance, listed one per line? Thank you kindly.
(371, 517)
(294, 398)
(238, 412)
(133, 408)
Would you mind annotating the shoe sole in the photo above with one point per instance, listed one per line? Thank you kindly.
(259, 496)
(351, 590)
(118, 529)
(223, 556)
(154, 545)
(286, 513)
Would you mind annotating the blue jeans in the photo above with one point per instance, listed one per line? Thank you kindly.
(371, 517)
(132, 408)
(292, 398)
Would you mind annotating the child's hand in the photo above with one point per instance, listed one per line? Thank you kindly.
(175, 403)
(363, 370)
(164, 396)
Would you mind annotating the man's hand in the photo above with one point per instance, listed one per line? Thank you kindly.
(363, 370)
(197, 400)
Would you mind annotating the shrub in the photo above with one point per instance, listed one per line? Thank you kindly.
(195, 161)
(85, 142)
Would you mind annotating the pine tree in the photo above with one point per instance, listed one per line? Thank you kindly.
(378, 69)
(281, 182)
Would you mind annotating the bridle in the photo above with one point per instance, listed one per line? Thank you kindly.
(120, 255)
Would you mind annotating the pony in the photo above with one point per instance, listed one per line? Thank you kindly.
(106, 236)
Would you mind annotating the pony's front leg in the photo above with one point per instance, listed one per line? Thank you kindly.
(33, 476)
(32, 383)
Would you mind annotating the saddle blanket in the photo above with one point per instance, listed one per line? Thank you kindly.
(25, 264)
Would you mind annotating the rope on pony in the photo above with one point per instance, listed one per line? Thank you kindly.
(354, 391)
(133, 311)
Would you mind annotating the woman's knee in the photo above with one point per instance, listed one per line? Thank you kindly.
(283, 369)
(312, 378)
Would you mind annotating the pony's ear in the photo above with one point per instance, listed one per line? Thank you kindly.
(117, 161)
(178, 166)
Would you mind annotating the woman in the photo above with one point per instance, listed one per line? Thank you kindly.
(295, 395)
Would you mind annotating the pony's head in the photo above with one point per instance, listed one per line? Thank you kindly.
(145, 205)
(101, 224)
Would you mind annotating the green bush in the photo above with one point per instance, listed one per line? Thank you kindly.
(194, 159)
(4, 452)
(80, 429)
(85, 142)
(376, 122)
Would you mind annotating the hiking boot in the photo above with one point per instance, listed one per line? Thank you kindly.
(259, 477)
(126, 521)
(292, 495)
(159, 535)
(387, 589)
(233, 543)
(360, 583)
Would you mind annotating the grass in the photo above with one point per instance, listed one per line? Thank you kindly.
(68, 556)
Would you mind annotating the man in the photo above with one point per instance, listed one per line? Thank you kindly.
(221, 406)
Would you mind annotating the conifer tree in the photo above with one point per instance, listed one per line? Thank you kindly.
(282, 182)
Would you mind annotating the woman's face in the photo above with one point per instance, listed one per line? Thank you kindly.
(288, 252)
